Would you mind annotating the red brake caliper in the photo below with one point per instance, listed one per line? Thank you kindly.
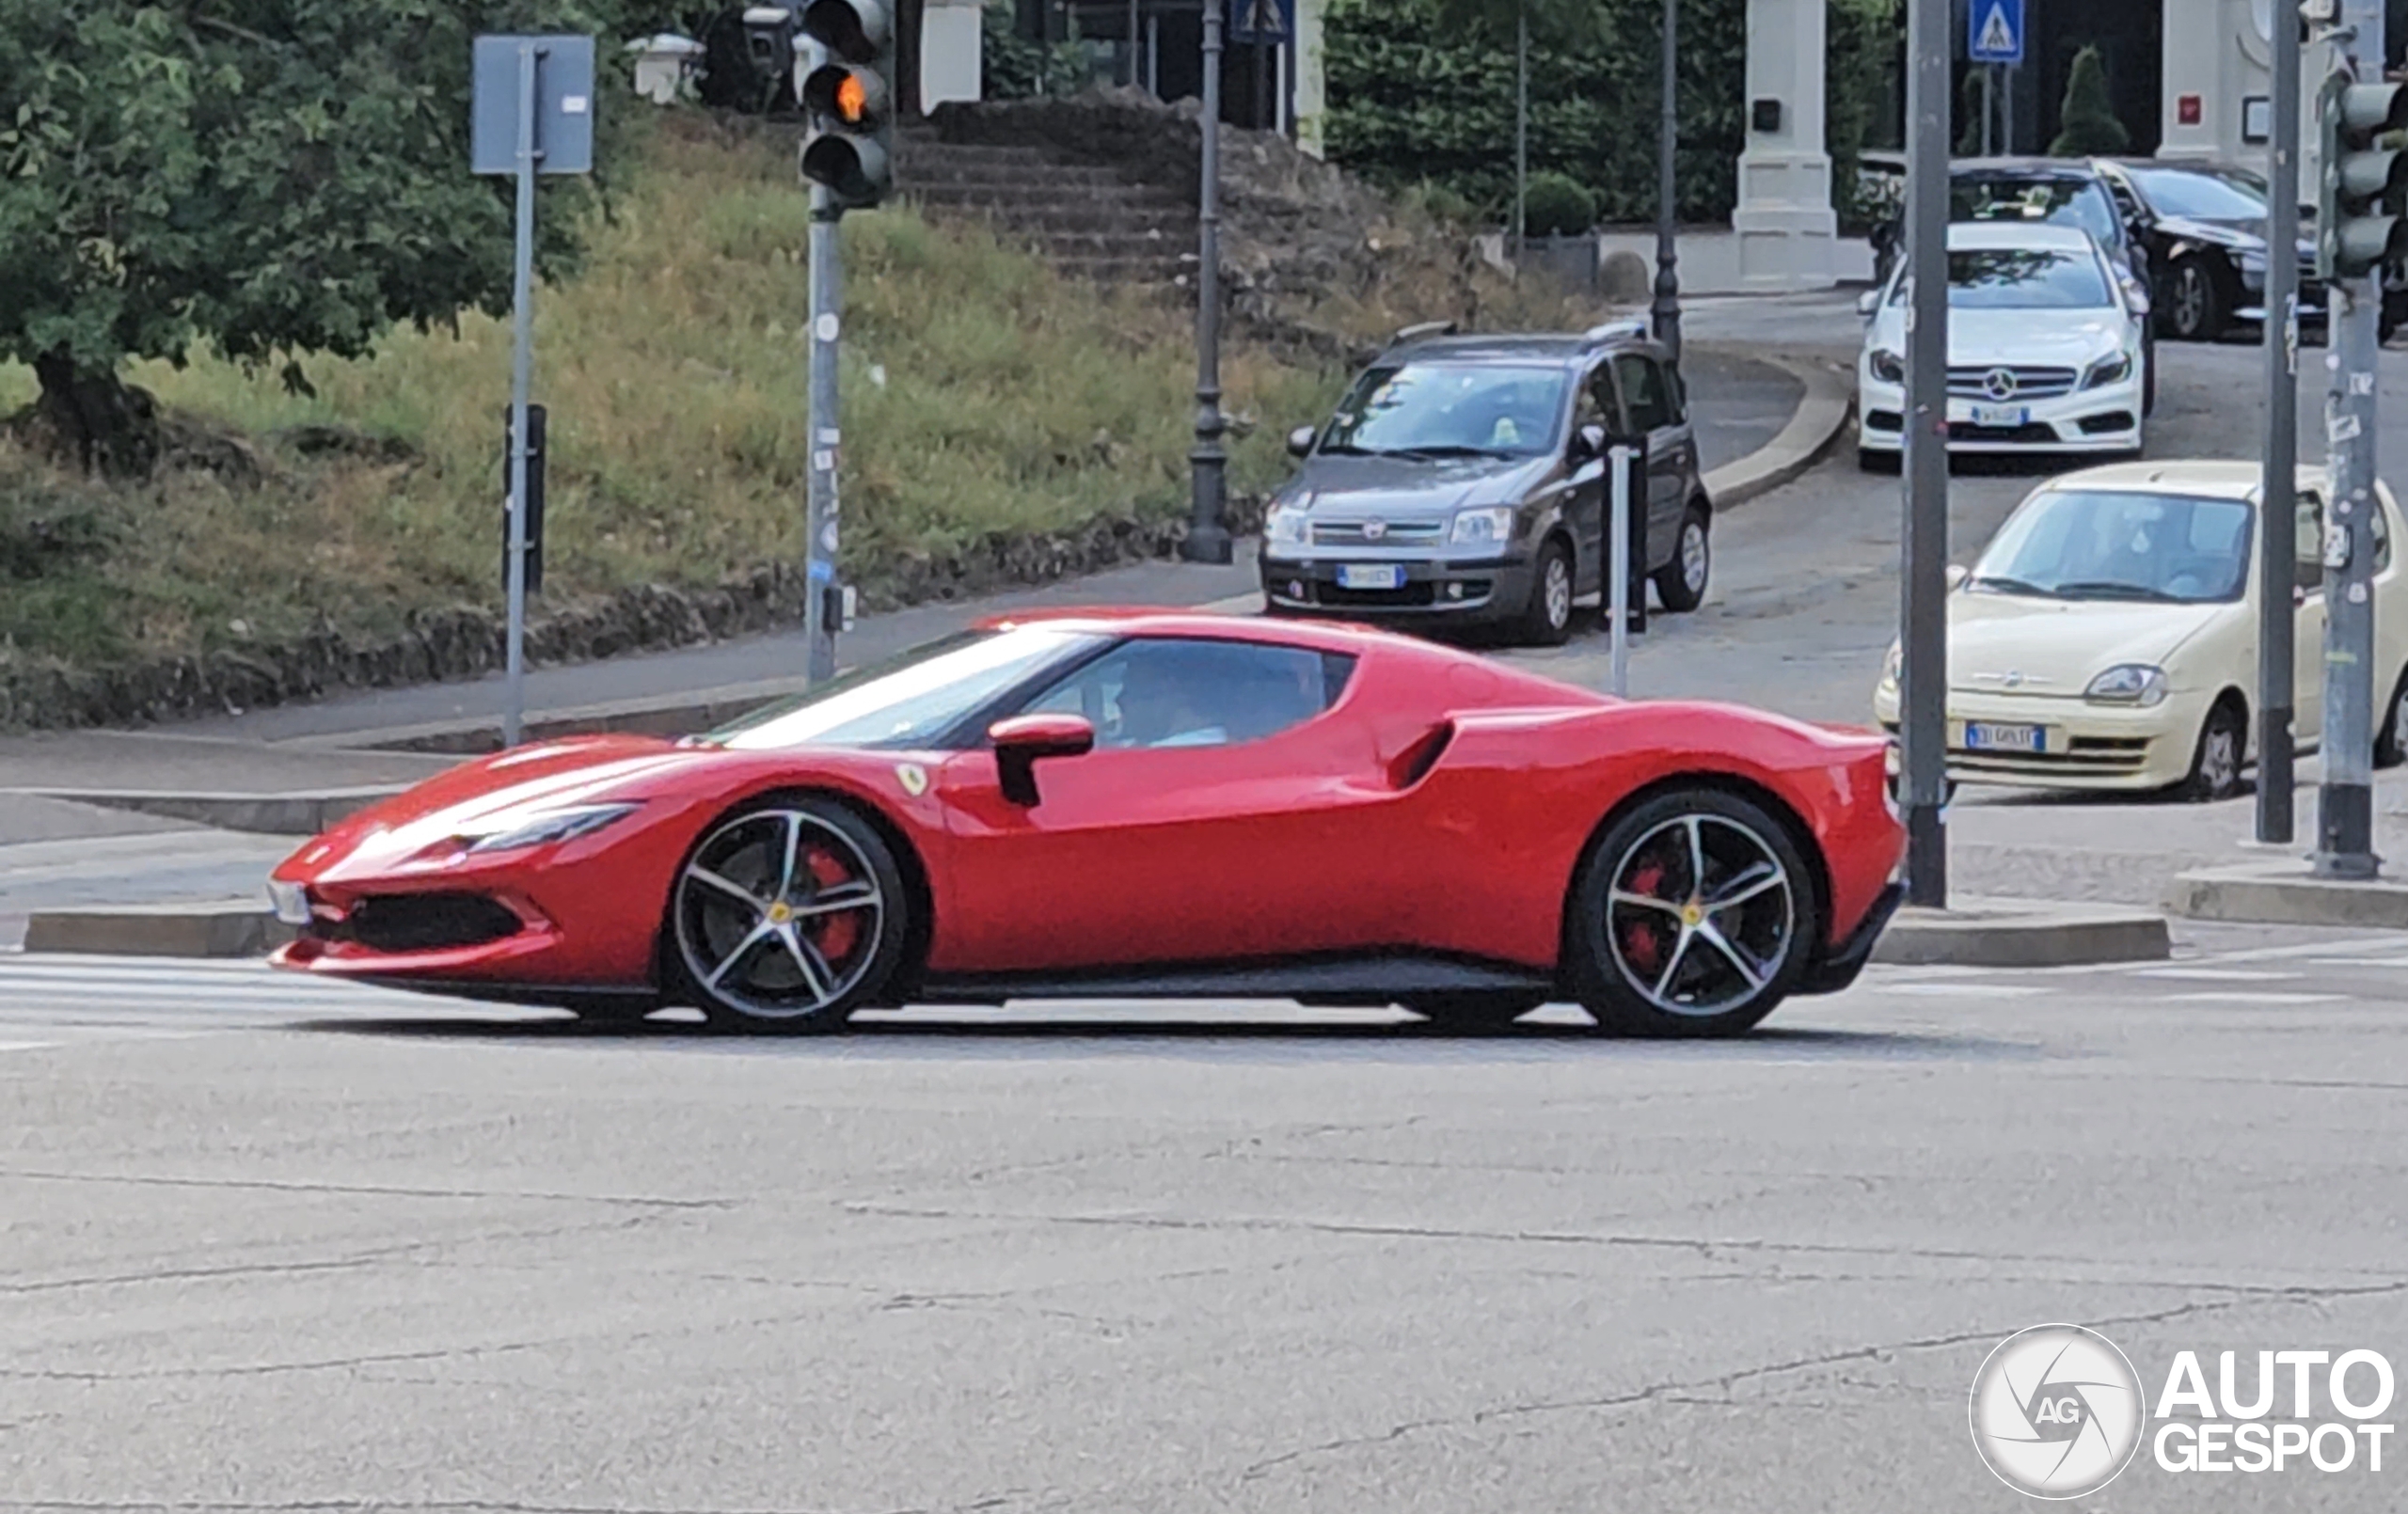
(834, 934)
(1640, 946)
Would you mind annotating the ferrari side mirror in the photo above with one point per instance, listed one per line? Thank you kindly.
(1025, 740)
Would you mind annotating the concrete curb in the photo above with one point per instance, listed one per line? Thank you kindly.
(2286, 893)
(2023, 932)
(1821, 416)
(228, 928)
(267, 814)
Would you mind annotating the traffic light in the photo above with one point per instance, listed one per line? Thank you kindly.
(2359, 228)
(850, 144)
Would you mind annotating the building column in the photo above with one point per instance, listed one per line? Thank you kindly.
(1788, 234)
(1305, 92)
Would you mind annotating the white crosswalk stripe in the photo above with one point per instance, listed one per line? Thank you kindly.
(52, 1001)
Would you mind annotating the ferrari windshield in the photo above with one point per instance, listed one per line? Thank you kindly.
(908, 701)
(2072, 544)
(1450, 410)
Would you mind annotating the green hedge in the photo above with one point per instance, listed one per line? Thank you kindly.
(1412, 102)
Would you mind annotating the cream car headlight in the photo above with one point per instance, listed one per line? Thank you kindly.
(2114, 369)
(1887, 365)
(1892, 666)
(1489, 523)
(1287, 524)
(2128, 682)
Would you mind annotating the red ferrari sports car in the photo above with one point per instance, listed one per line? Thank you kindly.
(1136, 803)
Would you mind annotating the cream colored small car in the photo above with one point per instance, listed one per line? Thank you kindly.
(2107, 639)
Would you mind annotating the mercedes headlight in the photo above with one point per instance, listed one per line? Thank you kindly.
(551, 827)
(2114, 369)
(2128, 682)
(1887, 365)
(1287, 524)
(1489, 523)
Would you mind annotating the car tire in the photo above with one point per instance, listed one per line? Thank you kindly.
(2391, 743)
(1681, 583)
(786, 916)
(1648, 956)
(2196, 308)
(1480, 1011)
(2215, 762)
(1547, 619)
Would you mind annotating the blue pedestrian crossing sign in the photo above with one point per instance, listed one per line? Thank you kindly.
(1255, 21)
(1994, 31)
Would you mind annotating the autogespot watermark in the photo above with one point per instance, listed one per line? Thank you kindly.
(2058, 1412)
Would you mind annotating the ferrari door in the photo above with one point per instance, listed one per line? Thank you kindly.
(1219, 818)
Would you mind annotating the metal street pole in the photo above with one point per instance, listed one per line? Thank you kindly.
(2345, 800)
(1521, 128)
(1208, 532)
(1132, 44)
(1923, 540)
(1989, 101)
(2277, 506)
(1667, 309)
(522, 342)
(826, 436)
(1618, 566)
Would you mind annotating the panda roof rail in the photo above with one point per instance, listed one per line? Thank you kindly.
(1427, 329)
(1615, 331)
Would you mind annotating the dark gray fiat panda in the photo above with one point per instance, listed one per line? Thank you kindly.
(1463, 481)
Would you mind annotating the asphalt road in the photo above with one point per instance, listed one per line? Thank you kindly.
(272, 1249)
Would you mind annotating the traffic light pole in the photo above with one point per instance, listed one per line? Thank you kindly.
(2277, 618)
(827, 302)
(1923, 693)
(2345, 800)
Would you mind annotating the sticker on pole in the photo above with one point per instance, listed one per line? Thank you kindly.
(825, 328)
(1994, 31)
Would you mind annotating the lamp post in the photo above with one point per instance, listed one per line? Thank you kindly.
(1667, 311)
(1208, 532)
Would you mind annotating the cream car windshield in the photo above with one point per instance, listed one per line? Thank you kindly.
(2115, 544)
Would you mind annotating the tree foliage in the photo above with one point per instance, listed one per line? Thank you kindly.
(2088, 126)
(269, 177)
(1424, 90)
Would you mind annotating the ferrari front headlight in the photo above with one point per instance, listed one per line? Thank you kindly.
(2128, 682)
(551, 827)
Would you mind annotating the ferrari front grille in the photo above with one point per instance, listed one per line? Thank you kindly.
(423, 921)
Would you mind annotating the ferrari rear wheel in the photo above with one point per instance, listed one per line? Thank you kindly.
(1694, 917)
(788, 916)
(1475, 1011)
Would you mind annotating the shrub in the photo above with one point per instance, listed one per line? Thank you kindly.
(2088, 124)
(1554, 205)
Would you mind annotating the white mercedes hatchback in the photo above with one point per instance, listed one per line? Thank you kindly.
(2046, 349)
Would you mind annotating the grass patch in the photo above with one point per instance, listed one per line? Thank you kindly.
(981, 393)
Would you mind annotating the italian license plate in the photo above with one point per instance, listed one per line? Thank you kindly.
(1982, 735)
(1999, 415)
(1370, 576)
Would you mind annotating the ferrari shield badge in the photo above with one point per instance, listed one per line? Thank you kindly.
(914, 778)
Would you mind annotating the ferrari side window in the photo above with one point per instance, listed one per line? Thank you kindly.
(1180, 691)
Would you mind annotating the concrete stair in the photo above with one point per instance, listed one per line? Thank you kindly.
(1089, 222)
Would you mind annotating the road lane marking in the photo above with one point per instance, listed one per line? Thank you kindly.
(2217, 974)
(2239, 996)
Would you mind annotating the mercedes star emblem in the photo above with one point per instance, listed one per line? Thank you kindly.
(1999, 384)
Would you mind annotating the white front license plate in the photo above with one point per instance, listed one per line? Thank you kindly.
(1370, 576)
(1997, 415)
(1983, 736)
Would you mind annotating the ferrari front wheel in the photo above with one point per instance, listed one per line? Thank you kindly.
(788, 915)
(1694, 917)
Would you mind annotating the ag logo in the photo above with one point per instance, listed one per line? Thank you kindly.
(914, 778)
(2056, 1412)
